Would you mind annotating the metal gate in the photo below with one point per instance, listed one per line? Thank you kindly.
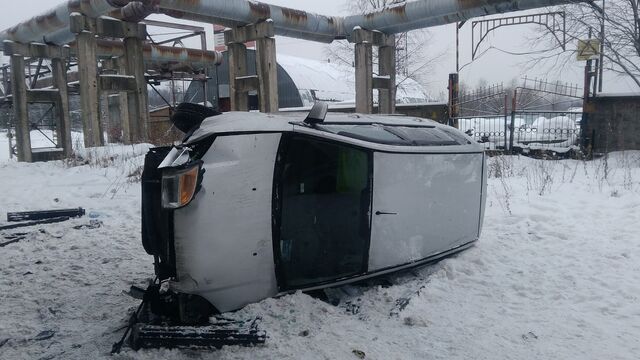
(529, 125)
(523, 130)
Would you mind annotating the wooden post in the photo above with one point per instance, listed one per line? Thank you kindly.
(89, 90)
(267, 70)
(237, 68)
(63, 125)
(387, 67)
(364, 77)
(138, 99)
(19, 91)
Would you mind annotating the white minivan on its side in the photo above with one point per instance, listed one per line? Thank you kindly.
(254, 205)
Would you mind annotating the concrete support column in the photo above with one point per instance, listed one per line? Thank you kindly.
(267, 70)
(387, 68)
(5, 81)
(19, 91)
(266, 79)
(89, 90)
(364, 79)
(63, 126)
(237, 69)
(123, 105)
(138, 99)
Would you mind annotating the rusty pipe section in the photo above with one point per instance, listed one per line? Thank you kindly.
(52, 26)
(287, 22)
(168, 54)
(159, 54)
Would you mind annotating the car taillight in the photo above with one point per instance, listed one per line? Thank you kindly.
(179, 185)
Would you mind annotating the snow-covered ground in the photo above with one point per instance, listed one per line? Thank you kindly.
(555, 275)
(39, 139)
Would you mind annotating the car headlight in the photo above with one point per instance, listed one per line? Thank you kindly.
(179, 185)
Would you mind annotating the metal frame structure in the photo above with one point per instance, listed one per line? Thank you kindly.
(548, 20)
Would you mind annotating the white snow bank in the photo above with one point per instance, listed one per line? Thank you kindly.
(554, 276)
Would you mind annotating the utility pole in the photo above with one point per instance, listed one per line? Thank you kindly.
(602, 39)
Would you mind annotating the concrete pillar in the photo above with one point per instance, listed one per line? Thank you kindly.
(387, 67)
(267, 70)
(19, 91)
(5, 81)
(89, 90)
(63, 126)
(138, 99)
(237, 68)
(364, 77)
(123, 102)
(114, 112)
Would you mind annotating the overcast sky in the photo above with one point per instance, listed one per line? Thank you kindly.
(495, 65)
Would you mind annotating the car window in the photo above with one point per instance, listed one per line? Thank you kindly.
(423, 136)
(396, 135)
(372, 133)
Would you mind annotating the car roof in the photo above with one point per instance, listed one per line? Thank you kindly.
(242, 122)
(255, 122)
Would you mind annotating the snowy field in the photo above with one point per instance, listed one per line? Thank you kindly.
(555, 275)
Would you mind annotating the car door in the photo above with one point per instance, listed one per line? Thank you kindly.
(423, 204)
(322, 212)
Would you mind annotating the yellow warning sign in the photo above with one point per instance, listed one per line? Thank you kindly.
(588, 49)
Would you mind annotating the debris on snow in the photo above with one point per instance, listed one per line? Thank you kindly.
(359, 353)
(44, 214)
(44, 335)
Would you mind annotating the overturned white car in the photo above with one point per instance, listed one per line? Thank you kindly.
(255, 205)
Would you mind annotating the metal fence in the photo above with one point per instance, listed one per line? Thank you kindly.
(525, 130)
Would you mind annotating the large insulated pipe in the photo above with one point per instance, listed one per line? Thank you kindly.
(414, 15)
(287, 22)
(402, 17)
(52, 27)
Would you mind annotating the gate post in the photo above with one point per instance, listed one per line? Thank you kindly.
(514, 104)
(506, 128)
(454, 99)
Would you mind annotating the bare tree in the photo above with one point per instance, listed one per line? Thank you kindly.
(412, 59)
(621, 20)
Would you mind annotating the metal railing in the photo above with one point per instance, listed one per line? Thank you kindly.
(525, 130)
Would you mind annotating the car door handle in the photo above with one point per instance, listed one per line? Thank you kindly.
(385, 213)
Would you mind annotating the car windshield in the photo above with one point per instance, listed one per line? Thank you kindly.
(396, 135)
